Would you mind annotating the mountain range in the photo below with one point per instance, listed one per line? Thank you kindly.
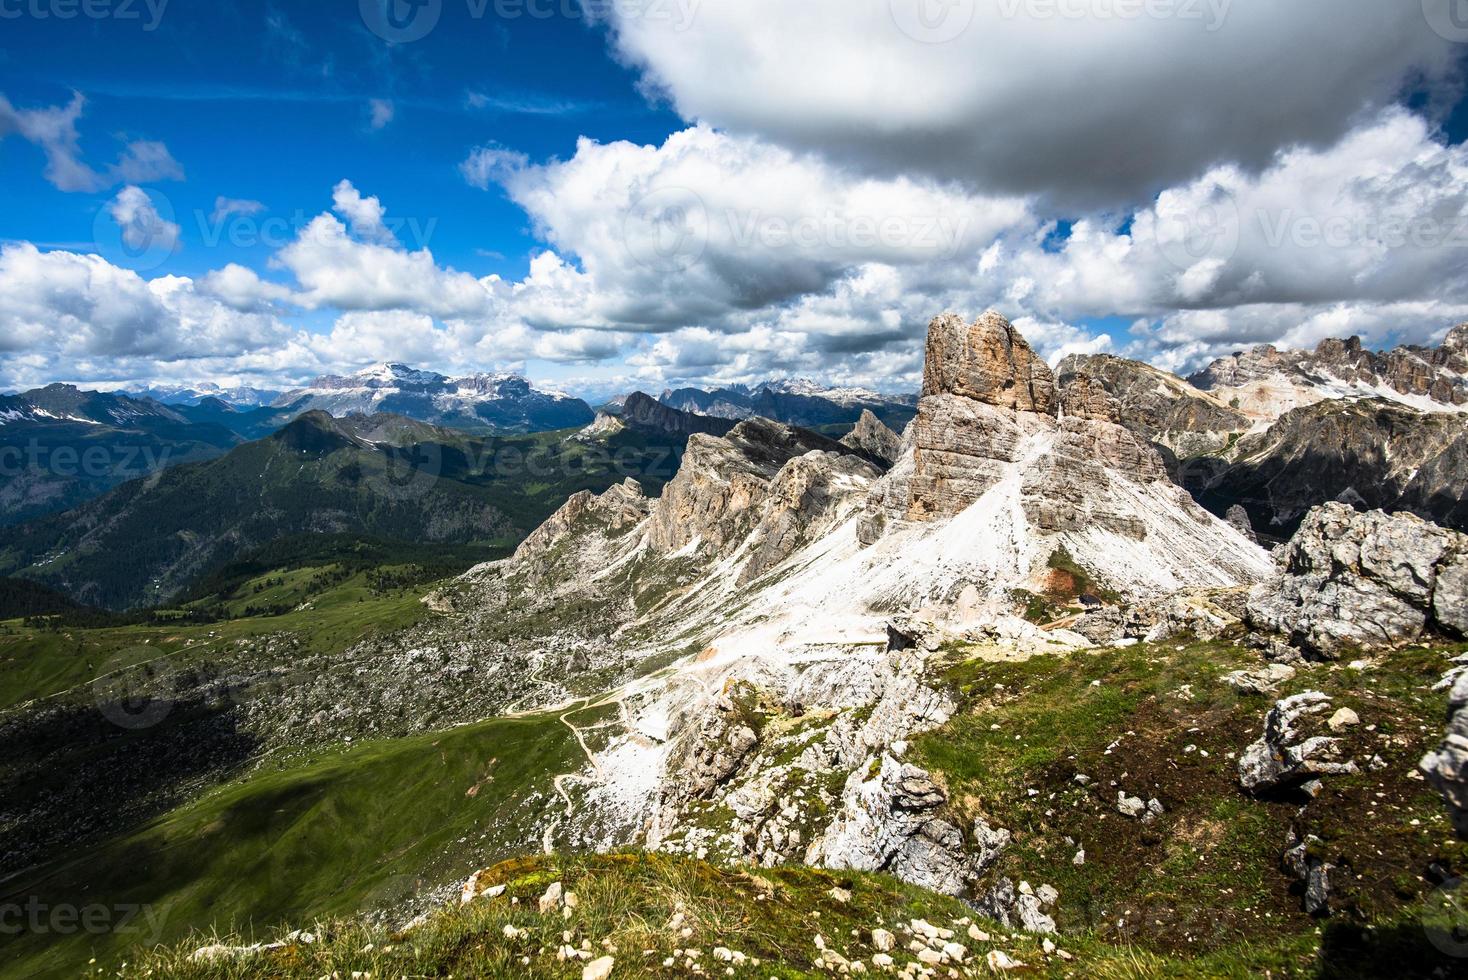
(1003, 660)
(793, 401)
(479, 402)
(381, 476)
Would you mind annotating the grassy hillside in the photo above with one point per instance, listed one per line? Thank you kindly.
(359, 826)
(147, 541)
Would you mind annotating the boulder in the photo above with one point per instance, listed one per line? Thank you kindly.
(1287, 754)
(1446, 767)
(1303, 860)
(1360, 580)
(892, 820)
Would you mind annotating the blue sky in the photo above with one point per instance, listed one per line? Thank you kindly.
(272, 105)
(499, 193)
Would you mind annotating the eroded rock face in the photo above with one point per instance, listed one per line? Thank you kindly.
(987, 361)
(872, 437)
(1353, 580)
(715, 499)
(640, 411)
(1082, 396)
(618, 507)
(1377, 454)
(891, 820)
(1288, 754)
(1267, 381)
(1447, 766)
(986, 430)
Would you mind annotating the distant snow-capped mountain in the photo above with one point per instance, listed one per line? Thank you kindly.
(497, 402)
(66, 403)
(795, 401)
(240, 396)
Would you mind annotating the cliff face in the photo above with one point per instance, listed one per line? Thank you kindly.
(643, 412)
(1266, 382)
(1373, 454)
(1157, 406)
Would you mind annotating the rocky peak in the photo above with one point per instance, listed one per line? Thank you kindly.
(719, 493)
(873, 438)
(643, 412)
(1159, 407)
(1457, 338)
(987, 361)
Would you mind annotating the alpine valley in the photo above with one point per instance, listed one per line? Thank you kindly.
(1092, 671)
(1020, 684)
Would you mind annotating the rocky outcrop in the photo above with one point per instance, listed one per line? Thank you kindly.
(618, 508)
(987, 361)
(1290, 753)
(1372, 453)
(645, 414)
(1083, 397)
(1352, 580)
(991, 426)
(1266, 382)
(766, 483)
(872, 437)
(1157, 406)
(892, 820)
(1446, 767)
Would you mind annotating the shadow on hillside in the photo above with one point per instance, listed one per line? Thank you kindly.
(1351, 952)
(70, 774)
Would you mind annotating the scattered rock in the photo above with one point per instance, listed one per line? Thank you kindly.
(1302, 858)
(599, 968)
(1285, 755)
(1447, 767)
(1259, 680)
(1343, 718)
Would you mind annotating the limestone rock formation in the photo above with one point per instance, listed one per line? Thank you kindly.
(1084, 397)
(1159, 407)
(1376, 453)
(1266, 382)
(1446, 767)
(1288, 754)
(646, 414)
(892, 820)
(987, 429)
(1356, 580)
(988, 361)
(766, 482)
(617, 508)
(874, 438)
